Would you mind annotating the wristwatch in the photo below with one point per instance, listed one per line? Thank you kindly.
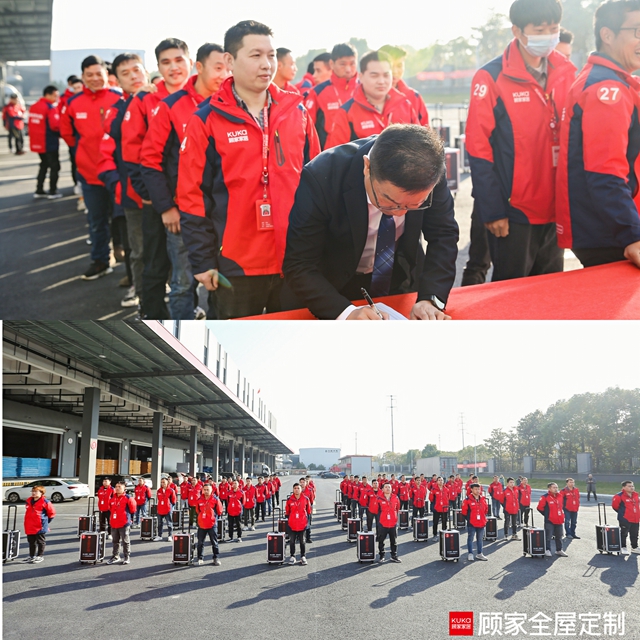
(436, 302)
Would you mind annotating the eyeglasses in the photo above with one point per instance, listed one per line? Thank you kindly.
(636, 31)
(425, 205)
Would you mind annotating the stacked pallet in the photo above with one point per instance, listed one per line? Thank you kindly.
(145, 467)
(106, 467)
(134, 467)
(10, 467)
(25, 467)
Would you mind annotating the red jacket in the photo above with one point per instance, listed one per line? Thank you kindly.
(475, 511)
(510, 139)
(388, 511)
(122, 508)
(64, 98)
(208, 509)
(571, 498)
(416, 101)
(194, 494)
(358, 119)
(166, 498)
(452, 489)
(420, 496)
(15, 116)
(306, 84)
(324, 100)
(81, 127)
(349, 489)
(276, 483)
(440, 499)
(224, 488)
(344, 485)
(628, 507)
(249, 497)
(185, 488)
(142, 494)
(597, 189)
(524, 494)
(111, 169)
(297, 511)
(404, 491)
(366, 492)
(37, 516)
(551, 507)
(160, 149)
(261, 492)
(458, 484)
(310, 493)
(134, 129)
(236, 499)
(220, 182)
(44, 126)
(355, 491)
(510, 500)
(104, 497)
(496, 490)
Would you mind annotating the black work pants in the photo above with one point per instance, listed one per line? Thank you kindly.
(629, 529)
(382, 534)
(212, 534)
(105, 525)
(157, 265)
(510, 519)
(296, 536)
(370, 518)
(261, 510)
(528, 250)
(18, 137)
(249, 296)
(49, 161)
(37, 541)
(234, 523)
(479, 262)
(418, 512)
(439, 516)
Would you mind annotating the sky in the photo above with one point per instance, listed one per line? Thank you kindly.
(327, 381)
(141, 24)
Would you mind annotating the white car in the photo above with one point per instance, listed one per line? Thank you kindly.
(57, 490)
(147, 479)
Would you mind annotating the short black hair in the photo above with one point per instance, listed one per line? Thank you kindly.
(89, 61)
(536, 12)
(171, 43)
(475, 484)
(509, 479)
(625, 483)
(206, 50)
(235, 35)
(310, 67)
(122, 58)
(323, 57)
(109, 67)
(566, 36)
(343, 50)
(281, 52)
(49, 89)
(72, 79)
(295, 484)
(394, 52)
(373, 56)
(612, 14)
(409, 156)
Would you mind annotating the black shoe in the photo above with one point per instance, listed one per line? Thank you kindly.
(381, 558)
(97, 270)
(395, 559)
(498, 518)
(575, 537)
(309, 540)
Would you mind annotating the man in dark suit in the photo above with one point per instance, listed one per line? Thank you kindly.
(357, 221)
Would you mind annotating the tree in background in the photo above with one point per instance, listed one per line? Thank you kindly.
(578, 18)
(492, 38)
(430, 451)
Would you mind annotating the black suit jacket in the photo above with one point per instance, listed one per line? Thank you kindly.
(328, 232)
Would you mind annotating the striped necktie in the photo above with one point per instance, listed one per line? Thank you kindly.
(385, 252)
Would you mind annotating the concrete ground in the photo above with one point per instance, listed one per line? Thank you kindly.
(43, 249)
(332, 598)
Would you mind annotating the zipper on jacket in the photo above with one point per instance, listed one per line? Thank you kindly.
(280, 159)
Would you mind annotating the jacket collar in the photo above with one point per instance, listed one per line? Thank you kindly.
(342, 84)
(603, 60)
(514, 65)
(394, 97)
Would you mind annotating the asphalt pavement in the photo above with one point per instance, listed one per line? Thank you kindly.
(333, 598)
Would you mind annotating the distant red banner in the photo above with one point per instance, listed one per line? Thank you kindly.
(478, 465)
(445, 75)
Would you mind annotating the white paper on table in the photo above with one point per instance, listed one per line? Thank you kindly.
(393, 314)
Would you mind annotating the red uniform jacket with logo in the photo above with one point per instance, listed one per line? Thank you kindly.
(44, 126)
(420, 496)
(524, 494)
(185, 488)
(597, 189)
(358, 119)
(571, 498)
(223, 490)
(440, 499)
(306, 84)
(220, 182)
(134, 129)
(512, 137)
(104, 497)
(208, 509)
(165, 498)
(142, 494)
(404, 491)
(366, 491)
(475, 511)
(37, 515)
(195, 491)
(81, 126)
(324, 101)
(122, 509)
(249, 496)
(510, 500)
(297, 511)
(551, 507)
(627, 506)
(261, 492)
(496, 490)
(388, 511)
(235, 501)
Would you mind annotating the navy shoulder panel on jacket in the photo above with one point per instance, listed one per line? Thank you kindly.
(348, 104)
(72, 98)
(204, 110)
(321, 87)
(600, 73)
(494, 67)
(172, 98)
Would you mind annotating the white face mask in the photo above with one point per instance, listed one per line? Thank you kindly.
(541, 46)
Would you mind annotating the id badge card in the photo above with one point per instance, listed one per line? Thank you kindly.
(264, 217)
(555, 154)
(559, 512)
(388, 516)
(478, 517)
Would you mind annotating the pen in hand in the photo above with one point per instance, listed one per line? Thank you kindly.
(370, 302)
